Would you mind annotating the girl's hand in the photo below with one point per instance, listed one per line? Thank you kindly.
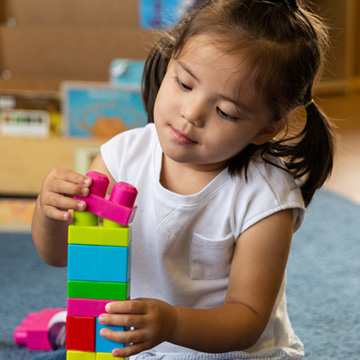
(154, 321)
(57, 190)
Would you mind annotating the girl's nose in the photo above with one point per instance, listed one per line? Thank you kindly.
(194, 111)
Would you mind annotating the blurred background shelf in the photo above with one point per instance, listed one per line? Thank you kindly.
(24, 162)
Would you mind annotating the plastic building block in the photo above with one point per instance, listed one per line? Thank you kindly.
(89, 235)
(112, 224)
(120, 206)
(80, 355)
(98, 290)
(33, 330)
(85, 218)
(106, 356)
(86, 307)
(98, 266)
(80, 333)
(105, 345)
(98, 263)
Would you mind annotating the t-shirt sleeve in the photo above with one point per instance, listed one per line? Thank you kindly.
(121, 154)
(271, 190)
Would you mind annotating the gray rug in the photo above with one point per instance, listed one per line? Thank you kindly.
(323, 283)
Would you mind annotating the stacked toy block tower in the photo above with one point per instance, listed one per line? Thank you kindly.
(98, 266)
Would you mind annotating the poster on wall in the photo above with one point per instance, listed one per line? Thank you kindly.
(160, 14)
(101, 110)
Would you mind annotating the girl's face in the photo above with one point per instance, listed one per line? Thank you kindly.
(199, 116)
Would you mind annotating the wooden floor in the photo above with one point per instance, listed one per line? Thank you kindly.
(345, 112)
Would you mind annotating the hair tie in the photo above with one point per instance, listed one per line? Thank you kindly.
(309, 103)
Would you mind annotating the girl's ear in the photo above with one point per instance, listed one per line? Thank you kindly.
(269, 132)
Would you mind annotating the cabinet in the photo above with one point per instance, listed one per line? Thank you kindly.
(24, 162)
(342, 69)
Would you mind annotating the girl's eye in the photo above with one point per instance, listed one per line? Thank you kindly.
(225, 115)
(182, 85)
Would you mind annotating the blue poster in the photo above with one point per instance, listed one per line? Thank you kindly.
(93, 110)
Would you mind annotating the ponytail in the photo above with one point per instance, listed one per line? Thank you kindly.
(311, 158)
(317, 146)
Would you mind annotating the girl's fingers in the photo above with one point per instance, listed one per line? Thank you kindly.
(127, 307)
(64, 202)
(57, 214)
(66, 182)
(58, 190)
(70, 176)
(56, 206)
(126, 320)
(64, 187)
(130, 350)
(123, 337)
(136, 341)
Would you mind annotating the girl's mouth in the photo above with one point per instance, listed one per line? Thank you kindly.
(181, 138)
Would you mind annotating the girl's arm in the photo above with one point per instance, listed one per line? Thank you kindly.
(256, 275)
(54, 209)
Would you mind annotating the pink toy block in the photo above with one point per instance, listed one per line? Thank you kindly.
(119, 207)
(33, 330)
(86, 307)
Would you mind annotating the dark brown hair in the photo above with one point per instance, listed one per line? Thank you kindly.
(283, 43)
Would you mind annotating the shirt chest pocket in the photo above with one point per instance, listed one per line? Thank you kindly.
(210, 258)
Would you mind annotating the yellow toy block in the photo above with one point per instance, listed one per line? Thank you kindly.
(95, 235)
(80, 355)
(106, 356)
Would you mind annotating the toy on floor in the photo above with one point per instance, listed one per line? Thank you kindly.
(98, 266)
(44, 330)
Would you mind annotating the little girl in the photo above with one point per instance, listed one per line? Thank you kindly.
(223, 182)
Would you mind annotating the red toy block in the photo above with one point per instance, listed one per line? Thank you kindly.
(118, 208)
(86, 307)
(33, 330)
(80, 333)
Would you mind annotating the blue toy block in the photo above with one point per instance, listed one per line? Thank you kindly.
(99, 263)
(105, 345)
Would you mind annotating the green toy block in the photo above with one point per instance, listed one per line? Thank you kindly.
(90, 235)
(98, 290)
(84, 218)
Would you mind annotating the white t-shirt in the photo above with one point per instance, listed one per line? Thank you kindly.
(183, 245)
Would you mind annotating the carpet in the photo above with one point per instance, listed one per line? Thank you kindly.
(323, 282)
